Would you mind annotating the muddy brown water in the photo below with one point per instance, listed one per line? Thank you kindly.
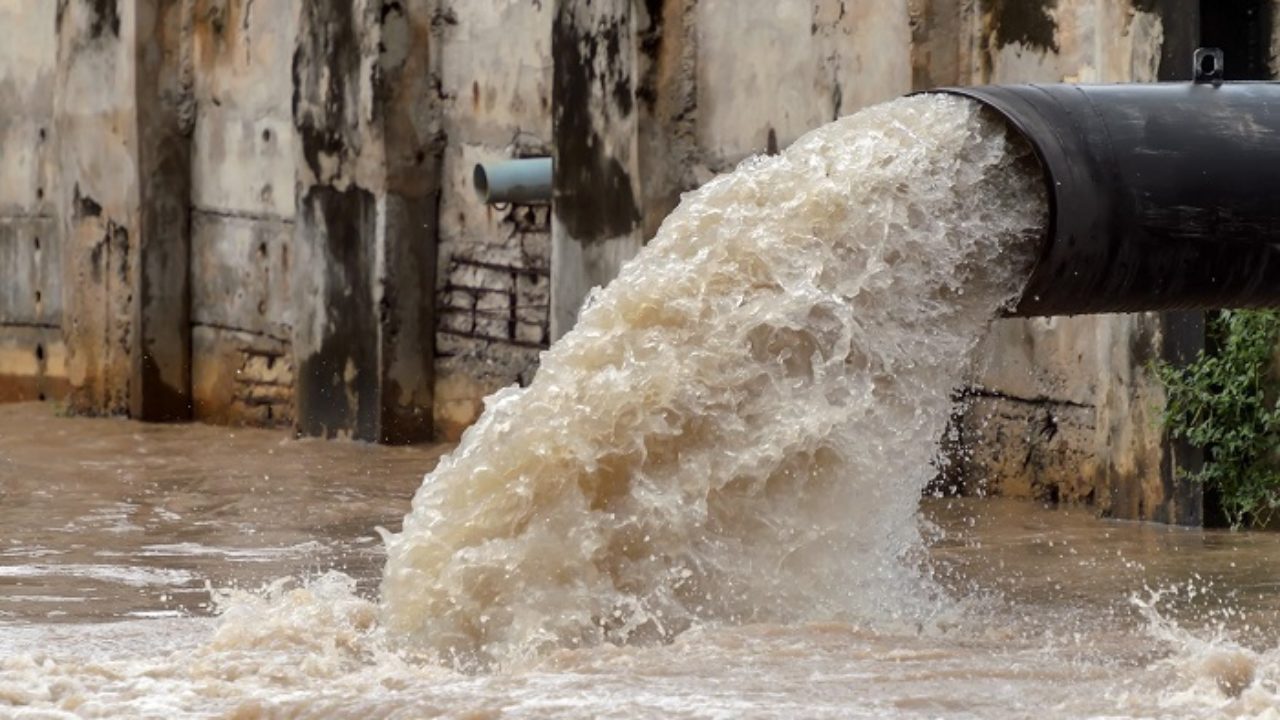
(118, 535)
(109, 520)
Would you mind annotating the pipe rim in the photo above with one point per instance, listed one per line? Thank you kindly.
(1013, 120)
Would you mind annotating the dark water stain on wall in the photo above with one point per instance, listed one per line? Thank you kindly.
(337, 385)
(649, 38)
(1029, 22)
(111, 251)
(594, 197)
(326, 68)
(162, 402)
(84, 206)
(106, 18)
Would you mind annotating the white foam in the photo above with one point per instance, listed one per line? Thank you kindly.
(131, 575)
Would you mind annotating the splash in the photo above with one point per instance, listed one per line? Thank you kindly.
(741, 424)
(1212, 674)
(297, 649)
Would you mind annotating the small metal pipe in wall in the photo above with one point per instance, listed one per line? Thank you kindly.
(526, 181)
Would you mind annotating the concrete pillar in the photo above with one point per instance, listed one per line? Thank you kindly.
(596, 223)
(97, 198)
(1246, 37)
(122, 113)
(363, 277)
(1181, 333)
(936, 35)
(670, 161)
(411, 127)
(31, 347)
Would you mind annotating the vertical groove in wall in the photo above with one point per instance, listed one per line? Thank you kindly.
(160, 375)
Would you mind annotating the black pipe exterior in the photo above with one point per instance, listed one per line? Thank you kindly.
(1162, 196)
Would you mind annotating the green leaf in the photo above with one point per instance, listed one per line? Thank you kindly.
(1225, 404)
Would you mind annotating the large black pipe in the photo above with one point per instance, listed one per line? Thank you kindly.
(1162, 196)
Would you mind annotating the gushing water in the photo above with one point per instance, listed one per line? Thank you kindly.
(740, 426)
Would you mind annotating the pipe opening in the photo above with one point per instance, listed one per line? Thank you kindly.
(1208, 64)
(1031, 163)
(522, 181)
(481, 180)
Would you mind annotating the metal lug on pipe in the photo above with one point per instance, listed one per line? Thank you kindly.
(526, 181)
(1208, 66)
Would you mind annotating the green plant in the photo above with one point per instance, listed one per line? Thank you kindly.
(1225, 403)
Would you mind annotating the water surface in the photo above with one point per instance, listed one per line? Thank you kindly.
(114, 528)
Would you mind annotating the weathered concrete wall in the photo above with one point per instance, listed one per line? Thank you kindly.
(121, 122)
(120, 127)
(1065, 409)
(652, 99)
(770, 71)
(494, 264)
(596, 218)
(242, 198)
(687, 96)
(235, 203)
(597, 213)
(368, 140)
(1066, 41)
(32, 352)
(97, 198)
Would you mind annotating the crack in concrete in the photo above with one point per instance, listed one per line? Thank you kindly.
(26, 324)
(243, 215)
(1038, 400)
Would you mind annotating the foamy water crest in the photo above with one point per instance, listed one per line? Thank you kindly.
(1213, 674)
(741, 424)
